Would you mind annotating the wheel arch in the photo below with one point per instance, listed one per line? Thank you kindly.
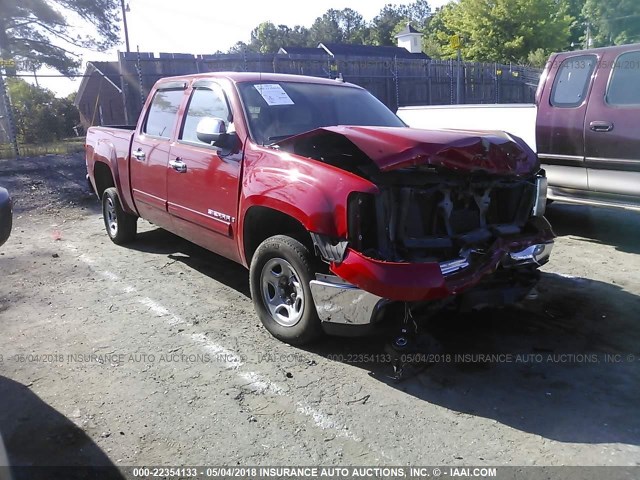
(103, 177)
(262, 222)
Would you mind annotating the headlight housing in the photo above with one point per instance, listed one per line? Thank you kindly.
(361, 221)
(540, 204)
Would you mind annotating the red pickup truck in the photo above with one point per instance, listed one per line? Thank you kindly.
(337, 208)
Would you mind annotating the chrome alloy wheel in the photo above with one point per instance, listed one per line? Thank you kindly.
(282, 292)
(110, 217)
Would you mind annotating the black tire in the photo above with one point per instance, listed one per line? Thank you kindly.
(283, 254)
(121, 226)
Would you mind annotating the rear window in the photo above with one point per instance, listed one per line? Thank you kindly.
(572, 81)
(624, 85)
(163, 113)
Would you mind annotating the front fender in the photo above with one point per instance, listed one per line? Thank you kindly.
(313, 193)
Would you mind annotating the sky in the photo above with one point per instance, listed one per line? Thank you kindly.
(204, 26)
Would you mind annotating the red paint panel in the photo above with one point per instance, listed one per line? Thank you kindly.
(203, 201)
(311, 191)
(397, 281)
(461, 151)
(413, 282)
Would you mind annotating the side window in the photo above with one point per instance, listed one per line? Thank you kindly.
(572, 81)
(623, 86)
(203, 103)
(163, 112)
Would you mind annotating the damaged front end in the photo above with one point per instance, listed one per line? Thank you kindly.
(454, 216)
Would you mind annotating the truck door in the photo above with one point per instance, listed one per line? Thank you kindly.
(560, 123)
(150, 156)
(612, 126)
(203, 185)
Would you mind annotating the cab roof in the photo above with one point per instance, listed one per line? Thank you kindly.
(242, 77)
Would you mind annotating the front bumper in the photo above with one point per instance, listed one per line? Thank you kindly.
(339, 302)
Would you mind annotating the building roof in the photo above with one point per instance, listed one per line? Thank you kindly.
(335, 49)
(110, 71)
(302, 51)
(408, 30)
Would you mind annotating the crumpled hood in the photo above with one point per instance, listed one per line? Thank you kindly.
(463, 151)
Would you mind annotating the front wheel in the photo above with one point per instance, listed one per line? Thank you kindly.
(279, 280)
(121, 226)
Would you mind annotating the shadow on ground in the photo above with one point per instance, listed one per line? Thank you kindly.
(43, 443)
(615, 227)
(221, 269)
(572, 382)
(565, 367)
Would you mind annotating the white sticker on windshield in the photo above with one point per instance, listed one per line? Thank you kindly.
(273, 94)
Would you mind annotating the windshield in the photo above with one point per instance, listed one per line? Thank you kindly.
(277, 110)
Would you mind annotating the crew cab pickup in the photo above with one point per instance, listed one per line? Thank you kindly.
(584, 125)
(340, 212)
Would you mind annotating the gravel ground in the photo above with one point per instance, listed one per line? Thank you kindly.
(152, 354)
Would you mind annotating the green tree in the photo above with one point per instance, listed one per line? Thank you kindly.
(505, 30)
(268, 38)
(614, 22)
(338, 26)
(436, 33)
(327, 29)
(393, 18)
(574, 8)
(386, 24)
(38, 31)
(418, 13)
(352, 25)
(242, 47)
(40, 116)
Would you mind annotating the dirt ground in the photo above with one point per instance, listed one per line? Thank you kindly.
(152, 354)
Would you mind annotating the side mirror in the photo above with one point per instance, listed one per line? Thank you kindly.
(212, 131)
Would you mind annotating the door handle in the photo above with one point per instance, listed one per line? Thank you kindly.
(599, 126)
(139, 155)
(178, 165)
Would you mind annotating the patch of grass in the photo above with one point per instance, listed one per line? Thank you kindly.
(63, 147)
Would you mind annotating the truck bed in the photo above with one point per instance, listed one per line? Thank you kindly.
(111, 146)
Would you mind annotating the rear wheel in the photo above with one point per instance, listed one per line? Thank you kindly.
(121, 226)
(279, 279)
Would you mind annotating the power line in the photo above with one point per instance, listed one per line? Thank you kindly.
(621, 18)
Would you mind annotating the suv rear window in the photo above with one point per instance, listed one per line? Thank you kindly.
(624, 87)
(572, 81)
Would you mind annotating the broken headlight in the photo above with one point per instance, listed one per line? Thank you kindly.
(361, 221)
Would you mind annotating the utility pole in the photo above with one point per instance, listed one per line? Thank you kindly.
(456, 43)
(459, 90)
(125, 9)
(587, 38)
